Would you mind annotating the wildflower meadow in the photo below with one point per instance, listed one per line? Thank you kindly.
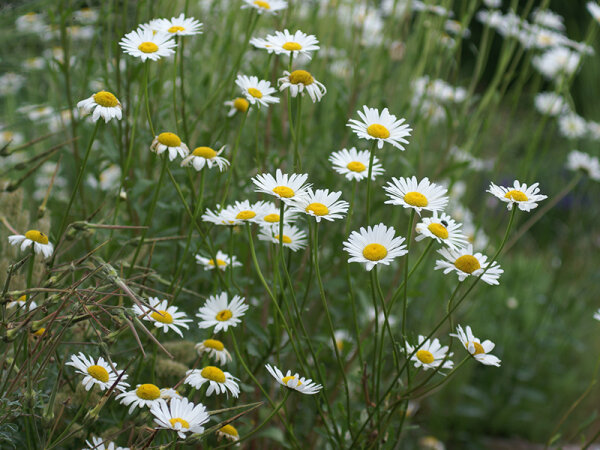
(318, 224)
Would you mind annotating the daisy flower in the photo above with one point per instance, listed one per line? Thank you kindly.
(478, 350)
(286, 43)
(430, 355)
(572, 126)
(321, 204)
(257, 92)
(219, 216)
(466, 263)
(142, 395)
(270, 215)
(239, 104)
(178, 26)
(293, 237)
(219, 382)
(243, 212)
(172, 143)
(101, 444)
(577, 160)
(354, 164)
(221, 313)
(169, 394)
(594, 9)
(295, 382)
(98, 373)
(228, 432)
(223, 261)
(163, 316)
(375, 245)
(443, 229)
(597, 315)
(419, 195)
(265, 6)
(383, 127)
(550, 103)
(206, 156)
(21, 302)
(180, 415)
(33, 237)
(215, 349)
(300, 81)
(146, 44)
(524, 197)
(103, 104)
(283, 186)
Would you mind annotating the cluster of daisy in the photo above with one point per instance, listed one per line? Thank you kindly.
(431, 98)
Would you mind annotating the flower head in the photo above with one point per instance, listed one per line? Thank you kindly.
(293, 237)
(228, 432)
(300, 81)
(206, 156)
(178, 26)
(297, 43)
(219, 382)
(170, 142)
(418, 195)
(383, 127)
(257, 92)
(524, 197)
(283, 186)
(577, 160)
(143, 395)
(321, 204)
(237, 105)
(443, 229)
(98, 373)
(354, 164)
(466, 263)
(265, 6)
(270, 215)
(180, 415)
(146, 44)
(215, 349)
(295, 382)
(221, 313)
(374, 245)
(101, 444)
(479, 350)
(223, 261)
(163, 316)
(33, 237)
(430, 355)
(103, 104)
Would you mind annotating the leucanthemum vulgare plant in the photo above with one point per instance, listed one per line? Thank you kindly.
(277, 224)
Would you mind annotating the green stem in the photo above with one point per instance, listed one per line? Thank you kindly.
(147, 101)
(405, 296)
(297, 160)
(371, 158)
(233, 155)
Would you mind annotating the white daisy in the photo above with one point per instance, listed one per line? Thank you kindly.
(577, 160)
(215, 349)
(321, 204)
(479, 350)
(443, 229)
(180, 415)
(419, 195)
(375, 245)
(163, 316)
(172, 143)
(557, 62)
(169, 394)
(572, 126)
(244, 212)
(300, 81)
(98, 373)
(293, 237)
(430, 355)
(594, 9)
(286, 43)
(146, 44)
(257, 92)
(354, 165)
(550, 103)
(22, 302)
(220, 216)
(597, 315)
(33, 237)
(101, 444)
(524, 197)
(178, 26)
(143, 395)
(294, 382)
(383, 127)
(103, 104)
(223, 261)
(206, 156)
(239, 104)
(265, 6)
(466, 263)
(270, 215)
(219, 382)
(228, 432)
(221, 313)
(283, 186)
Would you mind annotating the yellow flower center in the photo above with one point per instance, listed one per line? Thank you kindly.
(40, 332)
(285, 240)
(284, 191)
(478, 348)
(291, 46)
(213, 373)
(224, 315)
(416, 199)
(272, 218)
(106, 99)
(162, 316)
(262, 4)
(169, 139)
(301, 77)
(214, 344)
(148, 392)
(241, 104)
(374, 252)
(22, 298)
(245, 215)
(288, 378)
(318, 209)
(98, 372)
(148, 47)
(204, 152)
(378, 131)
(255, 92)
(184, 423)
(229, 429)
(175, 29)
(517, 196)
(439, 230)
(356, 166)
(37, 236)
(425, 356)
(220, 262)
(467, 264)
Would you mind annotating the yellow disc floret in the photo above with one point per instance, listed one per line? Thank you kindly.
(224, 315)
(220, 262)
(213, 373)
(229, 429)
(416, 199)
(374, 252)
(204, 152)
(184, 423)
(175, 29)
(214, 344)
(148, 47)
(301, 77)
(356, 166)
(241, 104)
(271, 218)
(169, 139)
(517, 196)
(262, 4)
(291, 46)
(284, 191)
(37, 236)
(162, 316)
(148, 391)
(288, 378)
(255, 92)
(378, 131)
(106, 99)
(425, 356)
(98, 372)
(245, 215)
(438, 230)
(318, 209)
(467, 264)
(478, 348)
(285, 239)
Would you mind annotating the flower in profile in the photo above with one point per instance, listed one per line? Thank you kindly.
(550, 103)
(524, 197)
(270, 215)
(172, 143)
(228, 432)
(98, 373)
(294, 382)
(383, 127)
(143, 395)
(257, 92)
(219, 382)
(478, 350)
(206, 156)
(286, 43)
(300, 81)
(146, 44)
(169, 394)
(594, 9)
(223, 261)
(443, 229)
(33, 237)
(265, 6)
(220, 216)
(103, 104)
(283, 186)
(101, 444)
(180, 415)
(22, 302)
(215, 349)
(163, 316)
(237, 105)
(466, 263)
(221, 313)
(178, 26)
(374, 245)
(430, 355)
(321, 204)
(293, 237)
(589, 164)
(418, 195)
(244, 212)
(354, 165)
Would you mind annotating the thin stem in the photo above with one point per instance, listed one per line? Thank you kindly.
(369, 175)
(147, 101)
(405, 296)
(297, 160)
